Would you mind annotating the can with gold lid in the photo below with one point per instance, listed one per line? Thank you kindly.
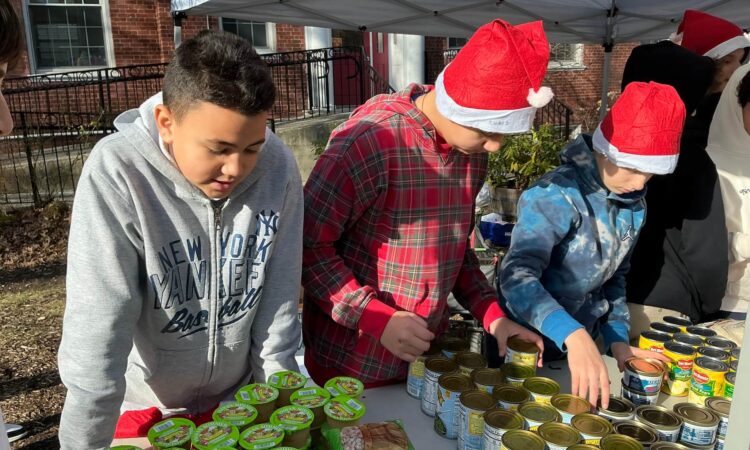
(541, 389)
(666, 423)
(679, 368)
(700, 424)
(487, 379)
(510, 397)
(516, 373)
(712, 352)
(497, 422)
(729, 380)
(619, 409)
(720, 406)
(450, 345)
(664, 327)
(689, 339)
(679, 322)
(619, 442)
(415, 378)
(592, 427)
(522, 352)
(569, 405)
(583, 447)
(472, 406)
(668, 446)
(703, 332)
(722, 343)
(469, 361)
(735, 354)
(450, 387)
(653, 340)
(522, 440)
(536, 414)
(434, 367)
(707, 380)
(559, 436)
(643, 374)
(638, 431)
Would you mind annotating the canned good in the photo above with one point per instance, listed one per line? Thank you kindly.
(719, 444)
(450, 387)
(470, 361)
(619, 409)
(715, 353)
(516, 373)
(665, 328)
(639, 398)
(723, 343)
(583, 447)
(689, 339)
(619, 442)
(510, 397)
(536, 414)
(522, 440)
(708, 379)
(666, 423)
(643, 374)
(434, 367)
(558, 435)
(733, 366)
(541, 389)
(523, 352)
(592, 427)
(699, 447)
(729, 379)
(700, 424)
(668, 446)
(638, 431)
(496, 423)
(653, 340)
(415, 378)
(720, 406)
(487, 379)
(735, 354)
(679, 369)
(569, 405)
(679, 322)
(452, 345)
(471, 409)
(703, 332)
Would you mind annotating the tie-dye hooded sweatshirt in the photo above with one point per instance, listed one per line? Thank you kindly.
(569, 252)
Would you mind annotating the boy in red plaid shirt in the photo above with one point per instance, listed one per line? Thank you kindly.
(389, 209)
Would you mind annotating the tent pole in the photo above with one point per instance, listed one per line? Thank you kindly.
(177, 17)
(605, 80)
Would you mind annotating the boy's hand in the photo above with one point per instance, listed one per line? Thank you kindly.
(588, 373)
(504, 329)
(406, 335)
(622, 352)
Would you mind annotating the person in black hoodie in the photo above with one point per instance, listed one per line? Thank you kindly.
(679, 265)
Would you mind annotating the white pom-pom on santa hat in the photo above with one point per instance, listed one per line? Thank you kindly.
(540, 98)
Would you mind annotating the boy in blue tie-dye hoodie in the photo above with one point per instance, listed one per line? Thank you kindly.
(564, 273)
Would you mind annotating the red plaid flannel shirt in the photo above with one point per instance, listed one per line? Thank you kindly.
(389, 208)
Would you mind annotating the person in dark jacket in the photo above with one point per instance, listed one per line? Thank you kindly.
(679, 265)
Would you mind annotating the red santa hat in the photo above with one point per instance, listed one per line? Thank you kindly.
(642, 130)
(709, 35)
(495, 82)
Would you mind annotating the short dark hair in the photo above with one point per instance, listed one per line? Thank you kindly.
(743, 90)
(218, 68)
(10, 34)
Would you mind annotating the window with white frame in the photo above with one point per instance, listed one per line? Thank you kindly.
(260, 34)
(566, 56)
(67, 34)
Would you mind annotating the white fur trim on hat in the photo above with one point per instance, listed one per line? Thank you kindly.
(654, 164)
(491, 121)
(728, 47)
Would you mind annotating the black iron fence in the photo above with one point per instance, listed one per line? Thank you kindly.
(59, 117)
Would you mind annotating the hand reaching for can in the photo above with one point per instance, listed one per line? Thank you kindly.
(588, 373)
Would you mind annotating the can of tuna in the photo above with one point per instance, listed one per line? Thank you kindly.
(434, 367)
(689, 339)
(496, 423)
(733, 366)
(470, 361)
(415, 379)
(729, 379)
(720, 406)
(619, 409)
(639, 398)
(487, 379)
(471, 409)
(592, 427)
(708, 379)
(679, 369)
(510, 397)
(719, 444)
(583, 447)
(452, 345)
(703, 332)
(665, 328)
(653, 340)
(668, 446)
(700, 424)
(619, 442)
(712, 352)
(722, 343)
(642, 433)
(535, 414)
(522, 440)
(450, 387)
(516, 373)
(541, 389)
(558, 435)
(569, 405)
(679, 322)
(735, 354)
(522, 352)
(700, 447)
(643, 374)
(666, 423)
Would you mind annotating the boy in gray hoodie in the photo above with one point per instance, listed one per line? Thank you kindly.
(185, 248)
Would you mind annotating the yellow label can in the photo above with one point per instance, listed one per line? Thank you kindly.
(707, 380)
